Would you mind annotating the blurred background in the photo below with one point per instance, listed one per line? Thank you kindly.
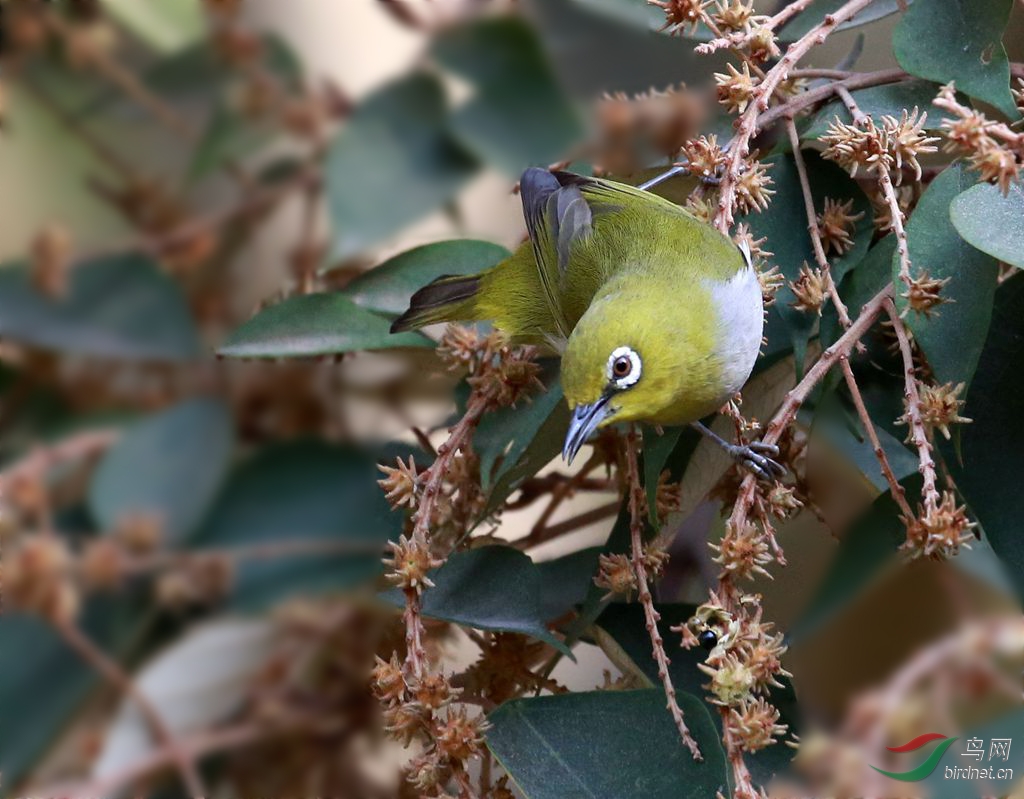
(196, 519)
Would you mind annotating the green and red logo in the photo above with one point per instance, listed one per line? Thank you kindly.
(928, 766)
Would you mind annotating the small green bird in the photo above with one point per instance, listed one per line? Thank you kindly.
(658, 316)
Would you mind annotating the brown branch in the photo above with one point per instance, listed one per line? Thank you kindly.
(819, 94)
(105, 153)
(637, 504)
(41, 459)
(195, 747)
(898, 494)
(577, 522)
(269, 551)
(918, 434)
(113, 674)
(747, 125)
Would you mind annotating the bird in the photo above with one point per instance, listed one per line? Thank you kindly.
(657, 315)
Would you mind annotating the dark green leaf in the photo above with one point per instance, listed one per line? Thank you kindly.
(817, 10)
(315, 324)
(518, 116)
(516, 443)
(878, 101)
(566, 581)
(393, 163)
(992, 446)
(954, 335)
(305, 491)
(657, 450)
(605, 744)
(168, 466)
(43, 682)
(959, 40)
(490, 588)
(991, 222)
(116, 307)
(871, 275)
(386, 289)
(784, 223)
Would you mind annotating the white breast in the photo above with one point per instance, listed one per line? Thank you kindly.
(740, 326)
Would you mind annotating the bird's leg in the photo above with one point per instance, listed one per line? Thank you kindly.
(751, 456)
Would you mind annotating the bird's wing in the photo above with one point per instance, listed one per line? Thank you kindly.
(557, 216)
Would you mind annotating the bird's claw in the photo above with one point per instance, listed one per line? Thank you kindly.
(755, 457)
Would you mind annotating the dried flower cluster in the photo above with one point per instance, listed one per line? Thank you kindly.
(939, 406)
(743, 664)
(939, 530)
(994, 149)
(891, 146)
(810, 289)
(836, 223)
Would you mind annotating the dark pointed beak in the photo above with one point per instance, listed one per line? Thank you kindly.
(585, 420)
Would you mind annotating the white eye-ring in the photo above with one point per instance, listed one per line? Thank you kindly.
(624, 367)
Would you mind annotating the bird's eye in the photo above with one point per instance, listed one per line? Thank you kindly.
(624, 367)
(708, 639)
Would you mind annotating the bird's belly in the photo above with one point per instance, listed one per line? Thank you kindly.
(740, 310)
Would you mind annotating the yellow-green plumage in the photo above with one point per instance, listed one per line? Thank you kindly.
(609, 266)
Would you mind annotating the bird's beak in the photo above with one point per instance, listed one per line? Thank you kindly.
(585, 420)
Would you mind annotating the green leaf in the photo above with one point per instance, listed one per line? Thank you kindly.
(120, 307)
(871, 275)
(566, 581)
(518, 116)
(816, 11)
(992, 446)
(315, 324)
(954, 335)
(606, 744)
(43, 682)
(959, 40)
(386, 289)
(169, 466)
(878, 101)
(305, 491)
(230, 133)
(516, 443)
(490, 588)
(784, 223)
(656, 453)
(991, 222)
(393, 163)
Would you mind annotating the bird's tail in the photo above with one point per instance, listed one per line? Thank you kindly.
(449, 298)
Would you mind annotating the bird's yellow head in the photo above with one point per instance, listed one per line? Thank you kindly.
(630, 358)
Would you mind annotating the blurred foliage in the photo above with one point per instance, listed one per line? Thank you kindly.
(198, 495)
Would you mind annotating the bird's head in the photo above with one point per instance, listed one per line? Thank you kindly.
(622, 363)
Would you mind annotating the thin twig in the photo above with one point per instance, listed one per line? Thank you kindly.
(747, 125)
(772, 23)
(637, 503)
(918, 435)
(812, 224)
(898, 493)
(269, 551)
(195, 747)
(113, 673)
(791, 404)
(592, 516)
(41, 459)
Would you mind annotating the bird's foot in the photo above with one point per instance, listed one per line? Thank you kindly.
(755, 457)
